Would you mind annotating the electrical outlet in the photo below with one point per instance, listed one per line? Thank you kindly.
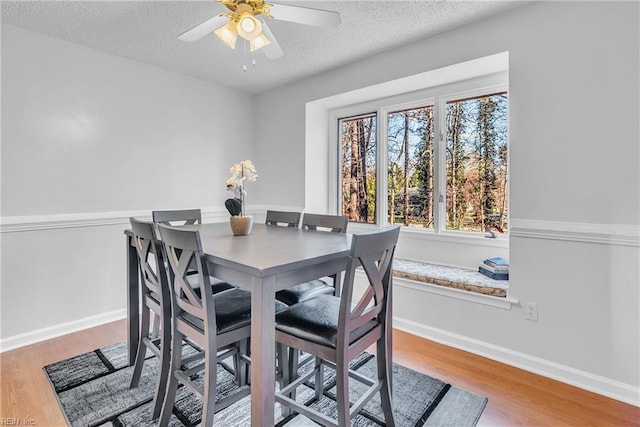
(531, 311)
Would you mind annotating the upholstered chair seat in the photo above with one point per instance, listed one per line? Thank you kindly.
(233, 310)
(332, 223)
(304, 292)
(316, 320)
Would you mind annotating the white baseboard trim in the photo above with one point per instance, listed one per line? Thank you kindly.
(605, 386)
(54, 331)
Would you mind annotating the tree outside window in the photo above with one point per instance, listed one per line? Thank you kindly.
(410, 160)
(358, 152)
(476, 153)
(457, 182)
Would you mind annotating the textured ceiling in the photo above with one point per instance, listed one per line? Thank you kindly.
(147, 31)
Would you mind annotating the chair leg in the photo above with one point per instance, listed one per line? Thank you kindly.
(342, 391)
(284, 373)
(210, 385)
(176, 362)
(293, 364)
(384, 377)
(142, 348)
(242, 368)
(163, 368)
(319, 378)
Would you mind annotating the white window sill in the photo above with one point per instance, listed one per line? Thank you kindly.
(499, 302)
(458, 237)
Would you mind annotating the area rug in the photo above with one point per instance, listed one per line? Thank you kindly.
(93, 390)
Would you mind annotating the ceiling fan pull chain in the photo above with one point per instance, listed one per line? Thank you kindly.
(244, 56)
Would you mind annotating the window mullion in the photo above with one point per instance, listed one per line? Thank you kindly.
(440, 176)
(335, 165)
(382, 199)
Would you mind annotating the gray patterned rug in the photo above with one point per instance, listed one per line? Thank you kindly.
(93, 390)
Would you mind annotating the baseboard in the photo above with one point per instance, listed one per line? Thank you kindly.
(54, 331)
(605, 386)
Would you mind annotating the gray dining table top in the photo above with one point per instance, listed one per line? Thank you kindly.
(270, 250)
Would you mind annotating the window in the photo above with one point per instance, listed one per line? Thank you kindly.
(359, 167)
(476, 152)
(410, 168)
(434, 160)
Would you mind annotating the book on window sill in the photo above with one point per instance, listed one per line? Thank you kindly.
(496, 261)
(500, 269)
(494, 276)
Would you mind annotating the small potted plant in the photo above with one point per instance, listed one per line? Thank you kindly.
(242, 172)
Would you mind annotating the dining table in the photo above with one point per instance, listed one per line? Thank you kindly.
(269, 259)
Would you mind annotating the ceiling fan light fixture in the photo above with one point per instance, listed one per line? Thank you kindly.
(259, 42)
(248, 26)
(228, 34)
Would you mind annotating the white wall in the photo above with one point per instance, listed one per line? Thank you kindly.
(575, 199)
(88, 139)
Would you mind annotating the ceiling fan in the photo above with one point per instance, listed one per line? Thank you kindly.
(246, 18)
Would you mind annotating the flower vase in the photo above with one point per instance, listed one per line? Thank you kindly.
(241, 225)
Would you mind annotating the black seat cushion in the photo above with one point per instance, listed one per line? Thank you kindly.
(316, 320)
(304, 292)
(233, 310)
(217, 285)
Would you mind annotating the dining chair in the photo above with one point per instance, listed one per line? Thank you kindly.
(333, 223)
(177, 217)
(308, 290)
(155, 298)
(188, 217)
(219, 323)
(338, 329)
(283, 218)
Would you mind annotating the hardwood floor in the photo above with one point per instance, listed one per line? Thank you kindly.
(516, 397)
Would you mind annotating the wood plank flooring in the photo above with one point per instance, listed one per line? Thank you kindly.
(516, 397)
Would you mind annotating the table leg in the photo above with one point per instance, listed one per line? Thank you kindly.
(263, 361)
(133, 301)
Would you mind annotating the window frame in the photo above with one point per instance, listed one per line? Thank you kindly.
(438, 96)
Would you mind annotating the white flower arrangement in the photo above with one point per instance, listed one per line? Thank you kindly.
(241, 172)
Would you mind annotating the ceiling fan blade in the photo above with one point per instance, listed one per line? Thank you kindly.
(305, 15)
(273, 49)
(201, 30)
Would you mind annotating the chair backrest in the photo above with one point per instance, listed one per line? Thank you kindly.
(335, 223)
(177, 217)
(290, 219)
(153, 274)
(373, 251)
(193, 310)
